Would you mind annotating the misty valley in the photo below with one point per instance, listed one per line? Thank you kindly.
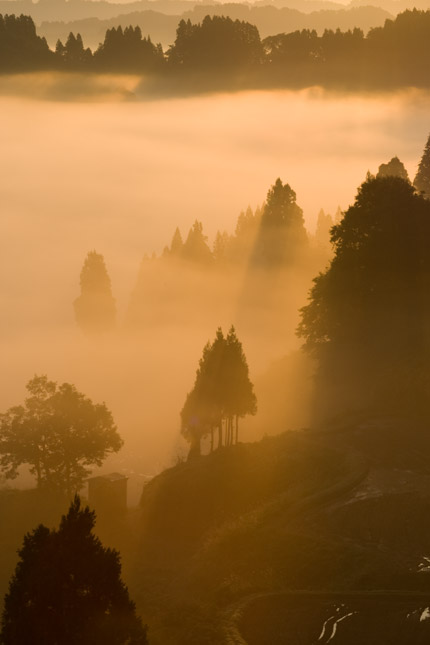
(215, 323)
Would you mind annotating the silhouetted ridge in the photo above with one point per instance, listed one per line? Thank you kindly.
(219, 49)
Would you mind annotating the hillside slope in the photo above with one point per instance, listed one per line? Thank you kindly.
(338, 513)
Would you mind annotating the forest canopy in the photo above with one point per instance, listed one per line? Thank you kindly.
(394, 55)
(368, 318)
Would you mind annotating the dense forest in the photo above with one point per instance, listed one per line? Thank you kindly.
(393, 55)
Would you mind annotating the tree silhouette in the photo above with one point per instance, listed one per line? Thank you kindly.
(58, 432)
(177, 244)
(322, 231)
(221, 247)
(195, 247)
(73, 54)
(95, 308)
(67, 589)
(394, 168)
(126, 50)
(422, 178)
(20, 47)
(218, 42)
(368, 319)
(282, 236)
(239, 391)
(222, 393)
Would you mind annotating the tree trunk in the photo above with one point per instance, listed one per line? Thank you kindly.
(212, 438)
(237, 428)
(220, 434)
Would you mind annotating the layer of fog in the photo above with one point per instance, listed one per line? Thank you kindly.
(119, 177)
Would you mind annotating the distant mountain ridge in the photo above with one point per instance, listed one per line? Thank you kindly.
(72, 10)
(268, 19)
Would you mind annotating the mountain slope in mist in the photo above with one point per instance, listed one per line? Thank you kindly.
(298, 525)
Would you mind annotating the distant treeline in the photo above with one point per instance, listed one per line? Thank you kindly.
(396, 54)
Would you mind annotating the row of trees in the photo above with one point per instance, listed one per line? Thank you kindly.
(123, 50)
(395, 54)
(222, 393)
(270, 238)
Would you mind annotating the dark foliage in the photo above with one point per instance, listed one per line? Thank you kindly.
(58, 433)
(222, 392)
(73, 55)
(394, 168)
(67, 589)
(126, 51)
(422, 179)
(218, 42)
(368, 319)
(394, 55)
(20, 47)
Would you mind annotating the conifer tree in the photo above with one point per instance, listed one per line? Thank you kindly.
(338, 216)
(67, 589)
(221, 247)
(95, 308)
(322, 232)
(195, 247)
(422, 178)
(240, 398)
(222, 393)
(177, 244)
(282, 236)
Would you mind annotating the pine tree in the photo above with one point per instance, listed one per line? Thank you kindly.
(95, 309)
(67, 589)
(177, 245)
(240, 398)
(222, 393)
(422, 178)
(322, 232)
(195, 247)
(221, 247)
(282, 235)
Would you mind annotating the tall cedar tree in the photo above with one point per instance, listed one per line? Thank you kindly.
(222, 393)
(422, 178)
(67, 589)
(95, 308)
(58, 433)
(195, 247)
(282, 236)
(368, 319)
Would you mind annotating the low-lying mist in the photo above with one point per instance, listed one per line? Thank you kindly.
(119, 177)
